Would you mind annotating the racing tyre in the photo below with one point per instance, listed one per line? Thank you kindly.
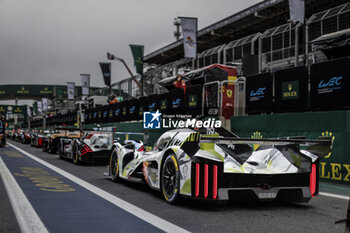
(76, 154)
(114, 166)
(170, 178)
(59, 152)
(44, 147)
(3, 142)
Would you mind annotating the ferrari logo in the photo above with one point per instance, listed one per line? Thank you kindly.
(229, 93)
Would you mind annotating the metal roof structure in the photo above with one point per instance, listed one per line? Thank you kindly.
(257, 18)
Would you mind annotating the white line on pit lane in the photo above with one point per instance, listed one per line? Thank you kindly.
(132, 209)
(334, 195)
(27, 218)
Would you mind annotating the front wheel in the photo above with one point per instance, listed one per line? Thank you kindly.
(114, 166)
(170, 179)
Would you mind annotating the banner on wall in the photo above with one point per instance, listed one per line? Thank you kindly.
(330, 85)
(259, 93)
(291, 89)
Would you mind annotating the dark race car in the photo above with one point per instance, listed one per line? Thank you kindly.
(92, 146)
(51, 143)
(26, 137)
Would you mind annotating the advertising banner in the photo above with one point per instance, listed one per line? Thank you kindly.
(330, 85)
(106, 72)
(137, 53)
(85, 84)
(189, 32)
(70, 90)
(259, 93)
(45, 105)
(297, 10)
(29, 112)
(291, 89)
(40, 106)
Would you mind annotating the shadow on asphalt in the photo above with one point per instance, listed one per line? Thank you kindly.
(204, 205)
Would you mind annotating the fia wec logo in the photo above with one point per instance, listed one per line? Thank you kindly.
(259, 92)
(335, 81)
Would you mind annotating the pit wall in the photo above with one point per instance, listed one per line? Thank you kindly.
(335, 167)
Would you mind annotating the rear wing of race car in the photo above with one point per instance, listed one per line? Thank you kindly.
(319, 147)
(316, 148)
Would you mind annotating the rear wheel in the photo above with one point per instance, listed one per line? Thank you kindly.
(3, 142)
(114, 166)
(76, 154)
(44, 147)
(170, 179)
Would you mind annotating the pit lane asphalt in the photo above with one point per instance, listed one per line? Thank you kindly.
(318, 215)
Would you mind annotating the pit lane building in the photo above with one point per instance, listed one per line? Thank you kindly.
(262, 30)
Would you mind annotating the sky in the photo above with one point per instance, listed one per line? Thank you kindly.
(53, 41)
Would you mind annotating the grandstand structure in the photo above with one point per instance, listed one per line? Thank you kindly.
(288, 61)
(262, 29)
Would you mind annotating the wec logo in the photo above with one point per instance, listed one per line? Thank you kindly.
(259, 92)
(177, 101)
(335, 81)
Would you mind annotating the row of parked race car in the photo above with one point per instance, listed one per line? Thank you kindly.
(210, 164)
(68, 143)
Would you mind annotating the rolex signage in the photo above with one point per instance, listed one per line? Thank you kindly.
(192, 101)
(46, 91)
(23, 90)
(290, 90)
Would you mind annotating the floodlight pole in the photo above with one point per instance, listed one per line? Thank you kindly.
(112, 57)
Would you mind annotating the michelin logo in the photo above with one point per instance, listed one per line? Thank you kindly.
(151, 120)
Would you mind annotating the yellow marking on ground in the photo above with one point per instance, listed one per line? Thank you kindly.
(13, 154)
(44, 180)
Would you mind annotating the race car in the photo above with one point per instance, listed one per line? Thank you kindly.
(51, 142)
(92, 146)
(218, 165)
(37, 138)
(26, 137)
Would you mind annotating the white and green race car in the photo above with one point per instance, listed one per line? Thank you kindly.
(220, 166)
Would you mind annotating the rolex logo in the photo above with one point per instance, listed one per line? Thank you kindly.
(290, 87)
